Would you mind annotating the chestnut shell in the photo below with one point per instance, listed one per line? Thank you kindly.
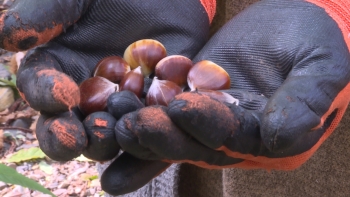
(162, 92)
(113, 68)
(174, 68)
(208, 75)
(133, 81)
(94, 93)
(145, 53)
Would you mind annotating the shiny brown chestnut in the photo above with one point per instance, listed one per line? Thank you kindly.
(113, 68)
(133, 81)
(94, 93)
(162, 92)
(174, 68)
(145, 53)
(208, 75)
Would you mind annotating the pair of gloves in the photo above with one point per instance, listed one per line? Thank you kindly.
(289, 65)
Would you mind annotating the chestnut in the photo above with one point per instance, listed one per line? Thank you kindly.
(162, 92)
(112, 68)
(145, 53)
(133, 81)
(94, 93)
(174, 68)
(208, 75)
(220, 96)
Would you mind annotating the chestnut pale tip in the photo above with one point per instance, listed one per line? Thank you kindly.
(220, 96)
(162, 92)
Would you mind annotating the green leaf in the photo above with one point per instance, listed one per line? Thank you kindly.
(13, 79)
(93, 177)
(45, 167)
(5, 82)
(11, 83)
(11, 176)
(27, 154)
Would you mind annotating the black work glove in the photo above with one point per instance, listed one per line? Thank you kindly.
(75, 35)
(289, 65)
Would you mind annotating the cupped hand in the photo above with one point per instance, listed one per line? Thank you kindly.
(289, 65)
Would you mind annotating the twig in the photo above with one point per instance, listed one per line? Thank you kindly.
(16, 105)
(17, 128)
(12, 148)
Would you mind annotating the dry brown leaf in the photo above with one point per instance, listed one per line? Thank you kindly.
(27, 113)
(33, 125)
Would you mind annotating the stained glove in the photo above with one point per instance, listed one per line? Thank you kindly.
(66, 39)
(289, 65)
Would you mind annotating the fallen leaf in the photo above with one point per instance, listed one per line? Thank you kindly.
(26, 154)
(93, 177)
(18, 114)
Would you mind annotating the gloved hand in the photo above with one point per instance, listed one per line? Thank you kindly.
(289, 65)
(72, 36)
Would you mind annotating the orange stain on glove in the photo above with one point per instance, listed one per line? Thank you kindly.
(100, 122)
(20, 39)
(292, 162)
(61, 130)
(65, 90)
(99, 134)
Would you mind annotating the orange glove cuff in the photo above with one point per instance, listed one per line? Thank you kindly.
(339, 10)
(210, 7)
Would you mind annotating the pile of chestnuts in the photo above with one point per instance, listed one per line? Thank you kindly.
(115, 78)
(148, 58)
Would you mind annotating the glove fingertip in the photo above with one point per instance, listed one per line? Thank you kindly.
(128, 173)
(200, 115)
(102, 143)
(120, 103)
(61, 137)
(48, 90)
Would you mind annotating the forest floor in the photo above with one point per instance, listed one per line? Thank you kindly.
(78, 177)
